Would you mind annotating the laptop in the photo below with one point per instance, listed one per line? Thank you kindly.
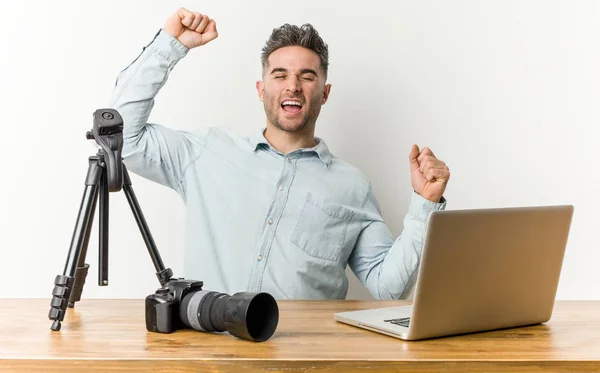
(480, 270)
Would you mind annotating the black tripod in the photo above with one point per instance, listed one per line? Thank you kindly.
(106, 173)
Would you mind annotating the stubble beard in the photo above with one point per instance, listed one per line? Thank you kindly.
(272, 110)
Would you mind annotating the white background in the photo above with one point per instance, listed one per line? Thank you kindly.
(505, 92)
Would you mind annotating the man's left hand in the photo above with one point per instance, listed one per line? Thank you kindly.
(428, 174)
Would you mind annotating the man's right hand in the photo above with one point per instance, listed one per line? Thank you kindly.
(192, 29)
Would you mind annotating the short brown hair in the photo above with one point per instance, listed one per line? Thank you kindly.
(290, 35)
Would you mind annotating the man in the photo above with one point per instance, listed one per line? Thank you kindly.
(276, 212)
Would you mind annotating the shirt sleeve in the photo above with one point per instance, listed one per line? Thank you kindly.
(152, 150)
(387, 267)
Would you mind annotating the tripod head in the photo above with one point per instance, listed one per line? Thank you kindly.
(107, 130)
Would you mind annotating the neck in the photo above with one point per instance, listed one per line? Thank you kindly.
(287, 142)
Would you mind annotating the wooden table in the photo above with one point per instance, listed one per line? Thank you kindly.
(110, 336)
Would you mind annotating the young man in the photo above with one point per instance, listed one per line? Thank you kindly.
(276, 212)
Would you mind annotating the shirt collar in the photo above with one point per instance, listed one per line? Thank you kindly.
(321, 149)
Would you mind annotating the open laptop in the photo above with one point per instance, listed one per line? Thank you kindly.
(481, 269)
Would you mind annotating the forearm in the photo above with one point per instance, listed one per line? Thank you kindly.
(385, 266)
(137, 85)
(153, 151)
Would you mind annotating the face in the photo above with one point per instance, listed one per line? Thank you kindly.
(293, 89)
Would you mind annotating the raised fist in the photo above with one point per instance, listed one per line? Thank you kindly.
(192, 29)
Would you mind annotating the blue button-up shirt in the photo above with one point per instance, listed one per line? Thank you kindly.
(257, 219)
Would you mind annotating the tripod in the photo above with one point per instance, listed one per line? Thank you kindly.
(106, 173)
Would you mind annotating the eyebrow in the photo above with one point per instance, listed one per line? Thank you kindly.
(302, 72)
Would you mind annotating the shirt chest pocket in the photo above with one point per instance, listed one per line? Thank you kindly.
(323, 228)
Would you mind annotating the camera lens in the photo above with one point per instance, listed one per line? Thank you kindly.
(252, 316)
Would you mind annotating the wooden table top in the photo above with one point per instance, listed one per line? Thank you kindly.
(110, 335)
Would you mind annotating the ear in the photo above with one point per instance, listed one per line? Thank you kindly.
(260, 89)
(326, 91)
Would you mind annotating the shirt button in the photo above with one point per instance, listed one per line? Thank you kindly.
(259, 258)
(281, 187)
(270, 221)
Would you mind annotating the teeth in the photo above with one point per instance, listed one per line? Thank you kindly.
(292, 103)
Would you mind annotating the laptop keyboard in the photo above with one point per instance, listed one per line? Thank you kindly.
(403, 321)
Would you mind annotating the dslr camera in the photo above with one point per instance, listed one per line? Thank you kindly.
(182, 303)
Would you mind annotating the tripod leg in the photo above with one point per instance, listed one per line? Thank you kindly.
(82, 267)
(64, 284)
(103, 229)
(163, 274)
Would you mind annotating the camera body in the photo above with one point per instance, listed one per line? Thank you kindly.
(182, 304)
(163, 307)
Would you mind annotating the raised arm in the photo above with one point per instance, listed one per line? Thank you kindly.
(153, 150)
(386, 266)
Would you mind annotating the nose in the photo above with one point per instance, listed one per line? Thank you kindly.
(293, 84)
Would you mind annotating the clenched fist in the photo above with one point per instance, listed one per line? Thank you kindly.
(192, 29)
(428, 174)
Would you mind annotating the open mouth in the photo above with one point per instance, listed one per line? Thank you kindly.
(291, 107)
